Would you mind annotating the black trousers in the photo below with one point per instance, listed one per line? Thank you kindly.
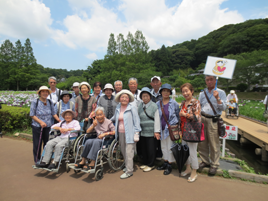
(159, 153)
(232, 111)
(36, 135)
(148, 150)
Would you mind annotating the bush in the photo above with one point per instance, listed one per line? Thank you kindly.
(242, 87)
(15, 118)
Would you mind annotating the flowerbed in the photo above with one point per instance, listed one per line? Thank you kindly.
(253, 109)
(19, 99)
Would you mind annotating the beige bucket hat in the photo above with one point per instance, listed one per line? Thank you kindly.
(108, 86)
(124, 91)
(84, 83)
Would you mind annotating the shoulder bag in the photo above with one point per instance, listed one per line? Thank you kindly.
(193, 130)
(221, 127)
(173, 129)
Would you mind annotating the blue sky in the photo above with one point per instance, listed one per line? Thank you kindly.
(70, 34)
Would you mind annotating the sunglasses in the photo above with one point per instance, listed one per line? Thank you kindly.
(53, 82)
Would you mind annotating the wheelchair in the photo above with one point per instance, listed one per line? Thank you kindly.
(68, 152)
(109, 153)
(227, 114)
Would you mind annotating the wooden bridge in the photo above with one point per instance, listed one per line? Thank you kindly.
(251, 132)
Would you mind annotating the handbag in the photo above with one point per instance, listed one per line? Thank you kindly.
(193, 131)
(221, 127)
(173, 129)
(265, 113)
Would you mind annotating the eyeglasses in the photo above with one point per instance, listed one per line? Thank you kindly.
(53, 82)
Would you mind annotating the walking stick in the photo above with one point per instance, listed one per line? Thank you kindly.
(39, 144)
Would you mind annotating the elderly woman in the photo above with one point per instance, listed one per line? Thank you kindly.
(103, 127)
(58, 143)
(64, 104)
(190, 107)
(171, 111)
(42, 112)
(84, 104)
(127, 128)
(97, 93)
(107, 101)
(150, 125)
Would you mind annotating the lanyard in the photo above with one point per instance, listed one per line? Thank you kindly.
(211, 94)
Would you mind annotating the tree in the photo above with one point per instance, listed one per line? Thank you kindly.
(251, 67)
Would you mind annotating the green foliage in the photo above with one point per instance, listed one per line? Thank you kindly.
(15, 118)
(226, 174)
(242, 87)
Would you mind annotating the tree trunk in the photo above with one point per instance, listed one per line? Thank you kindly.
(17, 85)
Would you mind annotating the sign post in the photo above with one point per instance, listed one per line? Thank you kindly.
(231, 133)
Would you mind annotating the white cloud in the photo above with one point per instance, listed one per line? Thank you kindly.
(92, 23)
(92, 56)
(25, 18)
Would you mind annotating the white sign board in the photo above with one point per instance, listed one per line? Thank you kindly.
(231, 133)
(220, 67)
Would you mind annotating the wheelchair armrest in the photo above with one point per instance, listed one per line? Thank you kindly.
(75, 131)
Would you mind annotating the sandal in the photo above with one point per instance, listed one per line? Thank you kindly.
(79, 166)
(89, 168)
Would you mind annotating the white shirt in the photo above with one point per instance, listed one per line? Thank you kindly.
(53, 96)
(265, 99)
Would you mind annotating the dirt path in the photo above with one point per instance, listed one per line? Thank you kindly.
(18, 181)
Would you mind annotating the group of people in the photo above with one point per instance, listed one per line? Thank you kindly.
(139, 119)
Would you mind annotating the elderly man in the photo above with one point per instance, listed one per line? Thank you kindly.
(156, 85)
(118, 85)
(209, 149)
(55, 92)
(133, 87)
(75, 92)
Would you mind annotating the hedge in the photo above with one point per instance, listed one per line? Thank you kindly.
(14, 118)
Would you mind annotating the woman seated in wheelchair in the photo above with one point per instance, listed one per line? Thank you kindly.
(103, 127)
(232, 107)
(69, 124)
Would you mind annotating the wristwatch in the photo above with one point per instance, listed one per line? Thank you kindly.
(219, 99)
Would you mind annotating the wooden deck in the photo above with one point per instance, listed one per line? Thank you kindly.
(256, 133)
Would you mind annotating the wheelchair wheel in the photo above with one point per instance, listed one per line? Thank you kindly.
(115, 157)
(67, 168)
(77, 143)
(99, 174)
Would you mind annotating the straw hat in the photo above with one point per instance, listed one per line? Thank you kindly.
(124, 91)
(69, 110)
(108, 86)
(42, 88)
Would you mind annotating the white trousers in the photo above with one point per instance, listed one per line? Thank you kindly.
(167, 153)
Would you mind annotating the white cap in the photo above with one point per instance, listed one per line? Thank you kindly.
(157, 77)
(108, 86)
(75, 84)
(232, 91)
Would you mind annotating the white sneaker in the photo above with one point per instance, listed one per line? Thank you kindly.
(148, 169)
(125, 169)
(143, 166)
(125, 175)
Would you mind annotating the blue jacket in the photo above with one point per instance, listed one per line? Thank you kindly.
(174, 110)
(131, 122)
